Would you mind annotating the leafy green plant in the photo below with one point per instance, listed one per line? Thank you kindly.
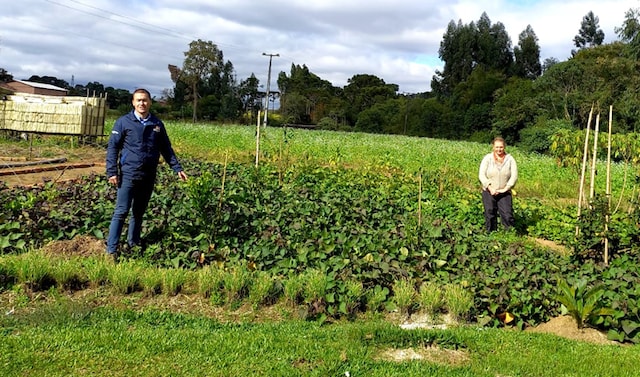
(583, 302)
(376, 298)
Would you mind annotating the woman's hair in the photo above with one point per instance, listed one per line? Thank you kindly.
(498, 139)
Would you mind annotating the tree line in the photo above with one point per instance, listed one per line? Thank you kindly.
(486, 88)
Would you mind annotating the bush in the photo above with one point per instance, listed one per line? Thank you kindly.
(538, 137)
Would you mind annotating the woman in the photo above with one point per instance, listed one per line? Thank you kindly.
(498, 174)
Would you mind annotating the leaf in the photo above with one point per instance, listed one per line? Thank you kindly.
(98, 234)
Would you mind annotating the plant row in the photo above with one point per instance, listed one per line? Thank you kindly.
(363, 226)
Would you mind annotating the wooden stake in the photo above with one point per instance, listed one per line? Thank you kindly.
(258, 138)
(608, 192)
(584, 168)
(592, 190)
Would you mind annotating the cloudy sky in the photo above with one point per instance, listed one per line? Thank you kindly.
(129, 43)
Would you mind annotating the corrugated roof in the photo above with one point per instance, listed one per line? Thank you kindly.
(41, 85)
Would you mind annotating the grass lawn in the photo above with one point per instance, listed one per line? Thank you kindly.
(61, 335)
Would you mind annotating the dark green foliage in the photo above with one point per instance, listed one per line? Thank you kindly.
(351, 225)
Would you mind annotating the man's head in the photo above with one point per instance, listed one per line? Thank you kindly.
(141, 102)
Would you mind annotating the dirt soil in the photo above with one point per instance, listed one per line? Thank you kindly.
(79, 161)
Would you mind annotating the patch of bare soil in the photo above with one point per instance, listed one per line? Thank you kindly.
(435, 355)
(78, 246)
(80, 161)
(565, 326)
(560, 249)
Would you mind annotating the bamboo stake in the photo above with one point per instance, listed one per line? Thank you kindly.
(258, 138)
(608, 192)
(584, 168)
(420, 199)
(595, 157)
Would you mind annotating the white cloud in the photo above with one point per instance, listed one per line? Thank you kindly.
(128, 44)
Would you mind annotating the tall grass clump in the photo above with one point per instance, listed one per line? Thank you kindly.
(151, 281)
(68, 273)
(315, 286)
(262, 289)
(404, 294)
(293, 287)
(354, 292)
(125, 276)
(33, 270)
(458, 301)
(173, 280)
(430, 299)
(236, 284)
(210, 283)
(96, 270)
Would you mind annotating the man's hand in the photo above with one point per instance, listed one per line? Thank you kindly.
(113, 180)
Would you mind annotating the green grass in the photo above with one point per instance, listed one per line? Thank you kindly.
(539, 176)
(68, 338)
(61, 336)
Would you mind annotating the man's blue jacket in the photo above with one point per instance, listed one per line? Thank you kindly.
(134, 148)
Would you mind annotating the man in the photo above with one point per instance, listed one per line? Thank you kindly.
(133, 153)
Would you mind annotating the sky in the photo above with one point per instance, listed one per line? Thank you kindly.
(128, 44)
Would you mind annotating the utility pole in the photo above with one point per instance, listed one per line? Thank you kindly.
(266, 108)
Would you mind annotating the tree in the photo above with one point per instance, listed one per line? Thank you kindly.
(590, 33)
(456, 51)
(199, 64)
(548, 63)
(630, 31)
(527, 55)
(304, 96)
(249, 95)
(5, 76)
(362, 92)
(466, 47)
(49, 80)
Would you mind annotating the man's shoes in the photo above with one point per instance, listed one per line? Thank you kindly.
(112, 257)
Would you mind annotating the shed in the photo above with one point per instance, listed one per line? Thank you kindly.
(30, 87)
